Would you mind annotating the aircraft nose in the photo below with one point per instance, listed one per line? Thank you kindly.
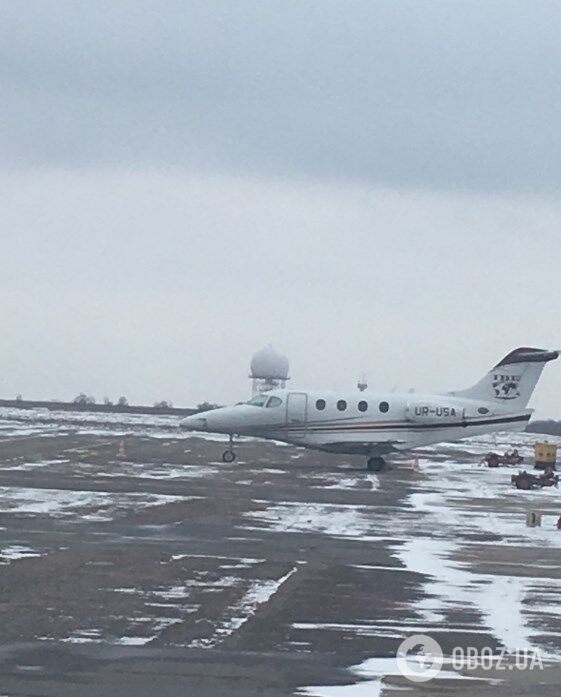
(194, 423)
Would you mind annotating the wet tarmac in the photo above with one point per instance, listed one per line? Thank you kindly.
(134, 562)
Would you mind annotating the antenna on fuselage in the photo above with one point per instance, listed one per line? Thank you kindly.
(362, 383)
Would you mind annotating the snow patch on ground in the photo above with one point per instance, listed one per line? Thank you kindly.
(30, 466)
(336, 520)
(258, 593)
(445, 501)
(14, 552)
(88, 505)
(349, 483)
(450, 584)
(164, 471)
(373, 670)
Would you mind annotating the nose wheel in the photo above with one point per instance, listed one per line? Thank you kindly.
(229, 455)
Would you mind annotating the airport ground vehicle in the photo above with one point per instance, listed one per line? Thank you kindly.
(509, 458)
(526, 480)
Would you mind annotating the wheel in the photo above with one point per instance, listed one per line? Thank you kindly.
(523, 482)
(228, 456)
(375, 464)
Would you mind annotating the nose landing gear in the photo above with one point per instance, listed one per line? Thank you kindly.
(229, 455)
(375, 464)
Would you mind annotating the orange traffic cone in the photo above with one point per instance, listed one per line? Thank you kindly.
(122, 454)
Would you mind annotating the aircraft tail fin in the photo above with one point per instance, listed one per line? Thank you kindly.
(512, 381)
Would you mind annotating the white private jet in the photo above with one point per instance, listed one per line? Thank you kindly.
(375, 424)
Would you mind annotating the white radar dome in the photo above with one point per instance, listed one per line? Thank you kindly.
(269, 364)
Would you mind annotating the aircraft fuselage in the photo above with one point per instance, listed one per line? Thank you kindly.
(359, 422)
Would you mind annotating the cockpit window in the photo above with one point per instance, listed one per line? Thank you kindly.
(274, 402)
(258, 401)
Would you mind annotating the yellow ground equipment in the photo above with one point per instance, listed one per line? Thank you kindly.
(545, 454)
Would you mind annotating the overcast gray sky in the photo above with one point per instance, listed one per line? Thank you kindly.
(368, 185)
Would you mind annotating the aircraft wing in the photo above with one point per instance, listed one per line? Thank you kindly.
(366, 448)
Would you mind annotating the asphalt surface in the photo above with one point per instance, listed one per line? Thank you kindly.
(133, 562)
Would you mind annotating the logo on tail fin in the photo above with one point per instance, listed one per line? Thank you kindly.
(506, 386)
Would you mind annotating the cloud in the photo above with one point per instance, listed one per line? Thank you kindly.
(416, 94)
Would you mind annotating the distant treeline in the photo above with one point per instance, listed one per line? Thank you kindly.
(157, 410)
(549, 426)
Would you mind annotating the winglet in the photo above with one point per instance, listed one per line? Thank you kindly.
(528, 355)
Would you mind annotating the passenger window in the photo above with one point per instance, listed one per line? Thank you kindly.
(341, 405)
(320, 404)
(483, 410)
(362, 406)
(384, 407)
(274, 402)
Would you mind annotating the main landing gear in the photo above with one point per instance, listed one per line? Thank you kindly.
(375, 464)
(229, 455)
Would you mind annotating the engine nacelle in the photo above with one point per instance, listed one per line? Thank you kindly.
(424, 412)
